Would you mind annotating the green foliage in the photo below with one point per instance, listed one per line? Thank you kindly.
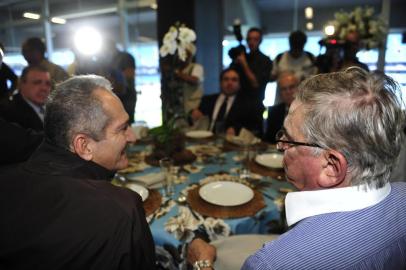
(166, 132)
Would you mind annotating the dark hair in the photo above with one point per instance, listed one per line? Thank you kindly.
(35, 43)
(224, 71)
(28, 69)
(297, 38)
(255, 29)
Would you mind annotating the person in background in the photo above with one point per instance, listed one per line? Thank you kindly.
(126, 63)
(33, 50)
(191, 76)
(227, 111)
(27, 106)
(58, 210)
(254, 69)
(351, 48)
(296, 59)
(8, 79)
(347, 215)
(287, 84)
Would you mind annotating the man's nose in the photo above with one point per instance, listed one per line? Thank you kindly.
(130, 135)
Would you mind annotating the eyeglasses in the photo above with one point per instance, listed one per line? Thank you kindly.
(280, 143)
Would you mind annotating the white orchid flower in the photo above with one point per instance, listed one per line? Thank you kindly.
(186, 35)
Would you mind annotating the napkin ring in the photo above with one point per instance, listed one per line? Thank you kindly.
(198, 265)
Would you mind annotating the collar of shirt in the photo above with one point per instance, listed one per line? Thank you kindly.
(217, 105)
(39, 110)
(302, 204)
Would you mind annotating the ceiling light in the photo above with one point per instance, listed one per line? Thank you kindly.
(309, 26)
(329, 30)
(154, 6)
(58, 20)
(88, 41)
(30, 15)
(309, 13)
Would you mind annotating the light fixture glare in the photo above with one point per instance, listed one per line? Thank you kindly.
(30, 15)
(309, 13)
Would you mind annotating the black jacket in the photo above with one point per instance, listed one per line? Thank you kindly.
(276, 116)
(242, 112)
(19, 111)
(59, 212)
(16, 143)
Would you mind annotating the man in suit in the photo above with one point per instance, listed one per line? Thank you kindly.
(287, 84)
(227, 111)
(59, 210)
(27, 106)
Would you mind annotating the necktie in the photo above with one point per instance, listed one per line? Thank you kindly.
(220, 119)
(41, 112)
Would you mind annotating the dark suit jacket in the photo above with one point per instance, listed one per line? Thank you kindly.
(59, 212)
(242, 112)
(16, 143)
(276, 116)
(19, 111)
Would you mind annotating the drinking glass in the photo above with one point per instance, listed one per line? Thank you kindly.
(166, 165)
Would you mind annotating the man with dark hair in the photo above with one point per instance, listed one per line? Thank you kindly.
(58, 210)
(254, 69)
(227, 111)
(27, 106)
(33, 50)
(341, 140)
(296, 59)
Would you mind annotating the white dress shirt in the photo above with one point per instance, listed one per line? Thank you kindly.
(217, 106)
(302, 204)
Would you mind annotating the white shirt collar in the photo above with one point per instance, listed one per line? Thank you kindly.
(302, 204)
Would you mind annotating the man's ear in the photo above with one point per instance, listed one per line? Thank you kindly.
(81, 145)
(334, 170)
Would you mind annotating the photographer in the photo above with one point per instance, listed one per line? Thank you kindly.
(254, 69)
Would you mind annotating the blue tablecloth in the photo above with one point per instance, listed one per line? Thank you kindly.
(248, 225)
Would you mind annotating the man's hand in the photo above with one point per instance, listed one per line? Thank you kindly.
(196, 114)
(241, 59)
(200, 250)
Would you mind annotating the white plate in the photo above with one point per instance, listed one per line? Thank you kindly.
(199, 134)
(143, 192)
(226, 193)
(272, 160)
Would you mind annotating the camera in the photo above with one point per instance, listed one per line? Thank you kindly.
(236, 51)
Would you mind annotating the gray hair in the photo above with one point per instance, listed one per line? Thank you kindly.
(73, 108)
(358, 114)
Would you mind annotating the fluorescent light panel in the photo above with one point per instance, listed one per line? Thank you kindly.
(30, 15)
(58, 20)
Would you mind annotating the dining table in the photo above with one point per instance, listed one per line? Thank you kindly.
(175, 216)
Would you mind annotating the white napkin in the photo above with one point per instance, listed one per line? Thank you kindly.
(244, 138)
(153, 180)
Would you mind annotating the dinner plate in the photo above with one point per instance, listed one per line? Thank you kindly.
(271, 160)
(226, 193)
(199, 134)
(142, 191)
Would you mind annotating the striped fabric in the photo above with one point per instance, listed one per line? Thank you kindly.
(370, 238)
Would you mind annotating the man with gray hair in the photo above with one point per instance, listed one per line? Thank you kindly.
(57, 209)
(341, 139)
